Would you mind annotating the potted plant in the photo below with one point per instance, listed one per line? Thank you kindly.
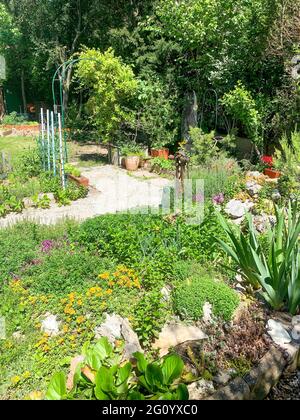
(159, 150)
(269, 169)
(132, 154)
(75, 174)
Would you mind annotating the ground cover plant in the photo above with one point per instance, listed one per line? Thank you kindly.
(79, 272)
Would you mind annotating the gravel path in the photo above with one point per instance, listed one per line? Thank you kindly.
(112, 190)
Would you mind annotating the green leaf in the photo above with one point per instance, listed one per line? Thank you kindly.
(154, 376)
(57, 389)
(105, 380)
(141, 362)
(172, 368)
(123, 374)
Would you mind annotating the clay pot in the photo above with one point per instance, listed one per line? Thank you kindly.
(272, 173)
(162, 153)
(80, 180)
(132, 163)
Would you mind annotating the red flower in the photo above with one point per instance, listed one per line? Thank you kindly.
(267, 160)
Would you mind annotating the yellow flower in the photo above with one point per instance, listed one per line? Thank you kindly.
(15, 380)
(104, 276)
(80, 319)
(63, 301)
(72, 337)
(26, 374)
(65, 328)
(79, 302)
(36, 395)
(60, 341)
(109, 292)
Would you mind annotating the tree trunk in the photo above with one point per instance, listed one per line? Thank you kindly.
(23, 92)
(189, 115)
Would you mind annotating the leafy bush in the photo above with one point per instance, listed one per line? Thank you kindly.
(190, 296)
(101, 376)
(278, 272)
(287, 161)
(14, 119)
(111, 85)
(241, 107)
(160, 165)
(204, 146)
(132, 150)
(149, 317)
(72, 170)
(155, 112)
(28, 165)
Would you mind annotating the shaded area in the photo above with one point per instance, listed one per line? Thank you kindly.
(288, 388)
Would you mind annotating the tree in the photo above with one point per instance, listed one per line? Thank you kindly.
(110, 85)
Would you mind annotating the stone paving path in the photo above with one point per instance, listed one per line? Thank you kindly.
(112, 190)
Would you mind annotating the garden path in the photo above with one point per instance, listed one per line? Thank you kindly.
(112, 190)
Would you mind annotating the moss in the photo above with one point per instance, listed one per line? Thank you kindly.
(190, 296)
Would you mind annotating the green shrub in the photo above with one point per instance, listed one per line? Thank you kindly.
(190, 296)
(149, 317)
(72, 170)
(28, 165)
(276, 272)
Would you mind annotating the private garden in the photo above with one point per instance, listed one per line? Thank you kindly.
(139, 303)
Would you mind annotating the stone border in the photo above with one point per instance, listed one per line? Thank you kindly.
(257, 384)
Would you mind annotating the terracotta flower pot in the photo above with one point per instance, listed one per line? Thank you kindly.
(80, 180)
(132, 163)
(162, 153)
(272, 173)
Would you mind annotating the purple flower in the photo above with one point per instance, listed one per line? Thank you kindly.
(218, 199)
(47, 246)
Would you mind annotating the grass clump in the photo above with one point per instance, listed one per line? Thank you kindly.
(190, 296)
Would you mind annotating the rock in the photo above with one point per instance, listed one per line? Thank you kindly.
(278, 333)
(115, 327)
(276, 196)
(132, 344)
(111, 328)
(50, 325)
(236, 209)
(261, 223)
(296, 332)
(222, 378)
(207, 313)
(253, 174)
(18, 336)
(236, 390)
(296, 320)
(166, 293)
(28, 202)
(200, 389)
(253, 188)
(177, 333)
